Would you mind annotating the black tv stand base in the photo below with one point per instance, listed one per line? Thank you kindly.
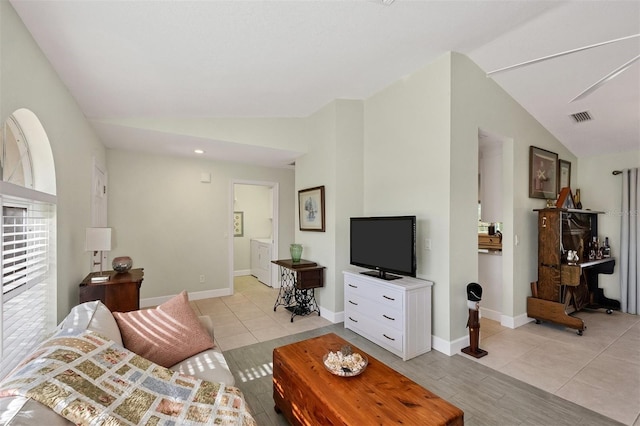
(382, 275)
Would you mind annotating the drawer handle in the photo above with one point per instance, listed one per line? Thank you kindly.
(390, 338)
(352, 286)
(353, 303)
(388, 298)
(389, 318)
(353, 319)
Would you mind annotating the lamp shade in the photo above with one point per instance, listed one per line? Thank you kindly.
(98, 239)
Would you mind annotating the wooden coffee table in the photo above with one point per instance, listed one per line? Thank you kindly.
(307, 393)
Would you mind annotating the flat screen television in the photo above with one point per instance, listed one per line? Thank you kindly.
(386, 244)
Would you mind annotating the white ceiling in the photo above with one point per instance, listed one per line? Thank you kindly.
(125, 60)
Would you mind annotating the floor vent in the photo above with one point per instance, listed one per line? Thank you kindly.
(579, 117)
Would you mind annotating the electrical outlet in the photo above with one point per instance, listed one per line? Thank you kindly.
(201, 278)
(427, 243)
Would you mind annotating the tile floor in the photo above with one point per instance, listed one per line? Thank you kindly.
(247, 317)
(599, 370)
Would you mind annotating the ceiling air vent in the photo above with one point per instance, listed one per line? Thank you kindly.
(580, 117)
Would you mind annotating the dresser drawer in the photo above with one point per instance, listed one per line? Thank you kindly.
(383, 314)
(386, 296)
(384, 336)
(393, 314)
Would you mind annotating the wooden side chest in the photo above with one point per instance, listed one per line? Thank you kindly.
(120, 292)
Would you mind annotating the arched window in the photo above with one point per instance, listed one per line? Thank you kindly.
(15, 161)
(28, 249)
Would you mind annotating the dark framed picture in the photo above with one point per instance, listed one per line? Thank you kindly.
(543, 173)
(564, 174)
(311, 209)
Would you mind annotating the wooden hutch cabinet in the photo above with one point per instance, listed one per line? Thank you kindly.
(564, 287)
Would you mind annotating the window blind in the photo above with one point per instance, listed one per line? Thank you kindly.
(28, 290)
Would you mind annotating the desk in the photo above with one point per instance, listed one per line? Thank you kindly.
(297, 283)
(120, 292)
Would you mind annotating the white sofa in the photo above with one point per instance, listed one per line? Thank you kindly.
(208, 365)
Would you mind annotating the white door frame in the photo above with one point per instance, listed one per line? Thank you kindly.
(274, 214)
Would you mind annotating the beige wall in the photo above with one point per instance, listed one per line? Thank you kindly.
(477, 102)
(600, 190)
(421, 157)
(333, 160)
(349, 195)
(409, 149)
(406, 169)
(176, 227)
(27, 80)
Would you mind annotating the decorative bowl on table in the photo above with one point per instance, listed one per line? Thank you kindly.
(122, 264)
(344, 363)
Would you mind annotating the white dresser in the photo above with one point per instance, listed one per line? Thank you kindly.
(393, 314)
(261, 259)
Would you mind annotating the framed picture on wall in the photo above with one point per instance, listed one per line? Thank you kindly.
(311, 209)
(564, 175)
(543, 173)
(238, 224)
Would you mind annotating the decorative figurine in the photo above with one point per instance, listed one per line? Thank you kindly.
(474, 295)
(572, 257)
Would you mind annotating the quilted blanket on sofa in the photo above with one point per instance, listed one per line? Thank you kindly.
(91, 380)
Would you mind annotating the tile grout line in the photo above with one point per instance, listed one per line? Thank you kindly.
(598, 355)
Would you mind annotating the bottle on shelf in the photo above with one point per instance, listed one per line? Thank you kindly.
(606, 249)
(593, 248)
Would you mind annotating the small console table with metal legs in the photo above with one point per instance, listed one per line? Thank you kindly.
(297, 283)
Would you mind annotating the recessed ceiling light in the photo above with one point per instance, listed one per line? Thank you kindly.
(198, 151)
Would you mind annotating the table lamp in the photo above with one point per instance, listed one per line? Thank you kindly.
(98, 240)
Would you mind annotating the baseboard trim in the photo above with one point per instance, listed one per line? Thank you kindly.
(193, 295)
(505, 320)
(449, 348)
(334, 317)
(515, 322)
(242, 272)
(454, 347)
(490, 314)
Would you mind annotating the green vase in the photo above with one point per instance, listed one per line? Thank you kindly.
(296, 252)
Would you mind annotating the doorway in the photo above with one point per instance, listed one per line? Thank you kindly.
(254, 217)
(491, 214)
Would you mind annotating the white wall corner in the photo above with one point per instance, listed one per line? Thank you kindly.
(449, 348)
(515, 322)
(490, 314)
(334, 317)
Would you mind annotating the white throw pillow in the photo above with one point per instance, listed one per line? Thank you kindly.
(94, 316)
